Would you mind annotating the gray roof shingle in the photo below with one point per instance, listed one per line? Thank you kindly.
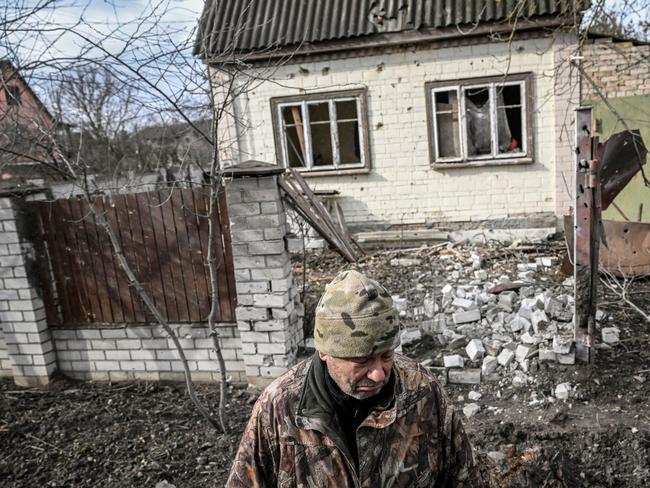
(257, 25)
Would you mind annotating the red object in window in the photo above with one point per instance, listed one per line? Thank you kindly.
(513, 145)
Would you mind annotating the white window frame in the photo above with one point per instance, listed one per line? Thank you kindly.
(492, 85)
(358, 96)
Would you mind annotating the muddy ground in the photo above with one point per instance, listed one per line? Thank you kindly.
(74, 434)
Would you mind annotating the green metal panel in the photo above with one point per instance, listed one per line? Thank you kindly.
(634, 200)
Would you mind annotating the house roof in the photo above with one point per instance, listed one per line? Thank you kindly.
(241, 26)
(8, 70)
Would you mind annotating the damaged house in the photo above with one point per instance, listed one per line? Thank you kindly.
(412, 112)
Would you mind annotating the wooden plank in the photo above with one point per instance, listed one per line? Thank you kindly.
(44, 261)
(111, 267)
(322, 211)
(69, 228)
(94, 247)
(178, 282)
(302, 206)
(57, 251)
(142, 270)
(185, 255)
(164, 257)
(150, 246)
(191, 219)
(229, 303)
(129, 249)
(85, 258)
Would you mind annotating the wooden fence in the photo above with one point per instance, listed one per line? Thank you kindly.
(164, 236)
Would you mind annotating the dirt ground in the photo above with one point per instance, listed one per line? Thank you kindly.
(74, 434)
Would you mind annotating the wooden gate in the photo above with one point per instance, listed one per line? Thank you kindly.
(164, 236)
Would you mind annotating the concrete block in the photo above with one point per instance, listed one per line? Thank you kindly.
(128, 344)
(610, 335)
(464, 303)
(519, 323)
(526, 338)
(271, 273)
(467, 316)
(546, 355)
(243, 209)
(493, 347)
(567, 359)
(475, 349)
(453, 361)
(489, 365)
(259, 337)
(118, 355)
(524, 352)
(272, 348)
(251, 313)
(266, 247)
(270, 325)
(507, 300)
(505, 357)
(271, 300)
(562, 344)
(253, 287)
(464, 376)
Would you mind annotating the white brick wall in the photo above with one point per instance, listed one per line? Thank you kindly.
(5, 363)
(146, 353)
(402, 187)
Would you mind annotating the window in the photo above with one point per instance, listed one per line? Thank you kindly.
(325, 132)
(480, 120)
(12, 95)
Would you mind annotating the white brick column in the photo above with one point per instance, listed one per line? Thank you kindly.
(22, 313)
(269, 314)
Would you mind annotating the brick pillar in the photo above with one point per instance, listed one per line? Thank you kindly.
(269, 314)
(22, 313)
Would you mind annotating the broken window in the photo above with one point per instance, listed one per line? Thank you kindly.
(322, 132)
(12, 95)
(479, 120)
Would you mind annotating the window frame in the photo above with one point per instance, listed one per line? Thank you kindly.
(524, 80)
(359, 95)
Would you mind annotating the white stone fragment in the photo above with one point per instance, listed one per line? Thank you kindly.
(474, 395)
(526, 338)
(519, 323)
(600, 315)
(522, 352)
(489, 365)
(454, 361)
(562, 344)
(410, 335)
(507, 300)
(473, 315)
(481, 275)
(519, 379)
(505, 357)
(563, 391)
(610, 335)
(447, 291)
(475, 349)
(463, 303)
(471, 409)
(405, 262)
(399, 303)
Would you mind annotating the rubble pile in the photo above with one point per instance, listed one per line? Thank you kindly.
(491, 320)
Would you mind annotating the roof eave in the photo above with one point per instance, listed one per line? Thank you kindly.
(391, 39)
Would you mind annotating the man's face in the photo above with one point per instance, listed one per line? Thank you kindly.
(360, 377)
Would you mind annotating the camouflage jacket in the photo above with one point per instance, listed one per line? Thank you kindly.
(418, 441)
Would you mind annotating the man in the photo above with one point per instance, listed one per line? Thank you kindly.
(356, 414)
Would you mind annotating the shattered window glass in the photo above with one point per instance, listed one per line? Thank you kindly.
(294, 136)
(447, 123)
(479, 121)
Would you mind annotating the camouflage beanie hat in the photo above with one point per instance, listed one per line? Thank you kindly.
(355, 317)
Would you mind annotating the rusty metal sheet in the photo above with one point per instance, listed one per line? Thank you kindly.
(628, 246)
(621, 156)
